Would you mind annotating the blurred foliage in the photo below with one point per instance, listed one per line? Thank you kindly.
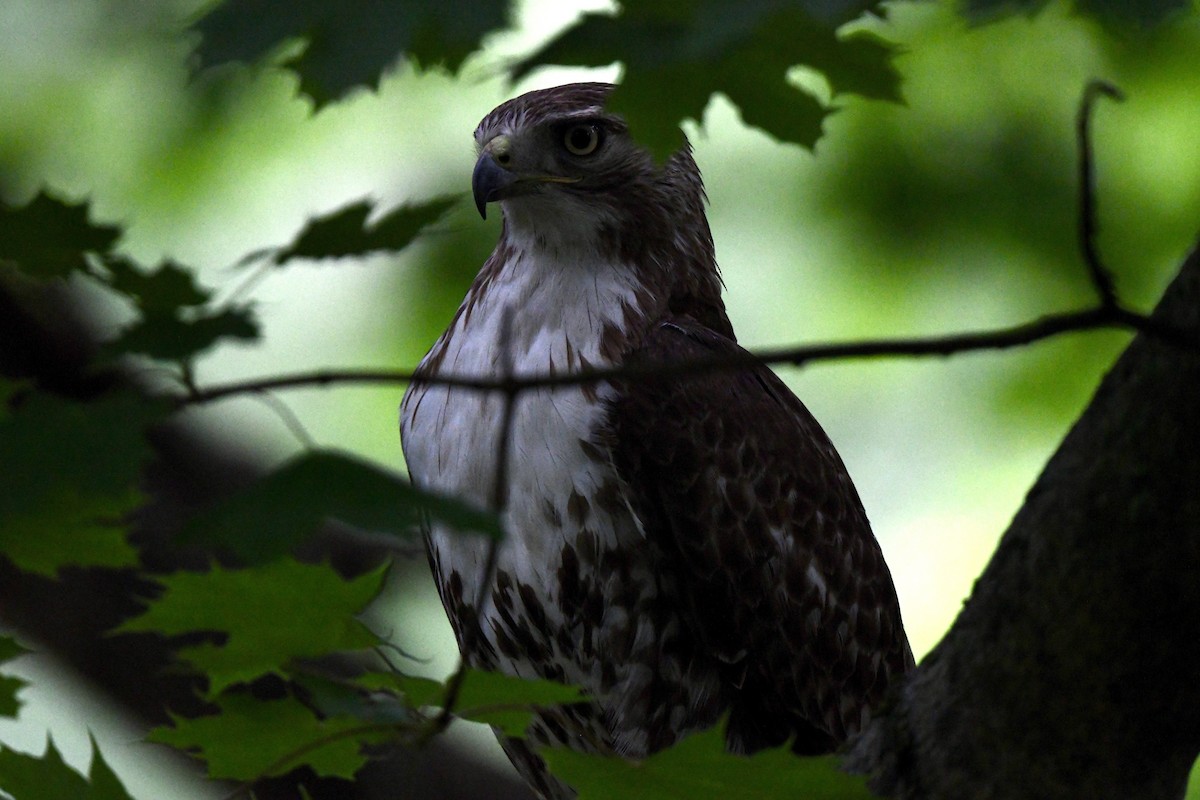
(285, 734)
(58, 508)
(745, 51)
(9, 686)
(26, 777)
(478, 696)
(969, 185)
(284, 509)
(50, 238)
(330, 236)
(698, 766)
(267, 641)
(347, 45)
(1114, 13)
(974, 186)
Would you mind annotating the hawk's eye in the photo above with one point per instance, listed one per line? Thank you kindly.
(582, 140)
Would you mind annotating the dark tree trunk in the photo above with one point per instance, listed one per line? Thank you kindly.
(1074, 669)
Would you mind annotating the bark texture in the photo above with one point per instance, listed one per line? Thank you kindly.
(1074, 668)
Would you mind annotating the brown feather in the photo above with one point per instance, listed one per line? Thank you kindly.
(686, 549)
(743, 497)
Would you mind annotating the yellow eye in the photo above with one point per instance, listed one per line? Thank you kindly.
(582, 140)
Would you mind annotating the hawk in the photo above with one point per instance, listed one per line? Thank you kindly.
(688, 549)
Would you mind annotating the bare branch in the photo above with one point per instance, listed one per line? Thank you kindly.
(914, 347)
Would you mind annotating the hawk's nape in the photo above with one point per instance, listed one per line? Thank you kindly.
(683, 548)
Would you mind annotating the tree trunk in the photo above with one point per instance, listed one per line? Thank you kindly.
(1074, 668)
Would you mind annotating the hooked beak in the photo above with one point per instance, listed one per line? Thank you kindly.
(489, 182)
(493, 179)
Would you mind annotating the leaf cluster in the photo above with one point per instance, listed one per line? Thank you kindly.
(50, 238)
(746, 52)
(72, 470)
(25, 777)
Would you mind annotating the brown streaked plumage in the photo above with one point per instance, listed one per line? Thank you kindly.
(682, 549)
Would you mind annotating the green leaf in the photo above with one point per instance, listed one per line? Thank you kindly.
(508, 702)
(347, 45)
(743, 50)
(28, 777)
(10, 706)
(284, 508)
(271, 615)
(9, 685)
(698, 768)
(167, 288)
(10, 648)
(70, 474)
(252, 738)
(504, 701)
(346, 232)
(164, 335)
(105, 783)
(49, 238)
(171, 328)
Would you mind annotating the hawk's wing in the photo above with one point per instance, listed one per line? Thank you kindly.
(752, 513)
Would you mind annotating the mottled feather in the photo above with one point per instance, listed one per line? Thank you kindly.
(750, 510)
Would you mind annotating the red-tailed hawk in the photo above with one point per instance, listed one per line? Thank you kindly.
(682, 549)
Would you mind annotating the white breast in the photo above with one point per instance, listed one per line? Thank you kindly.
(451, 436)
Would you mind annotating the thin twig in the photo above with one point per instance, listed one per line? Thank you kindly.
(252, 278)
(289, 418)
(913, 347)
(1102, 279)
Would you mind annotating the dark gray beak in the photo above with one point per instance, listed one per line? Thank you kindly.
(489, 181)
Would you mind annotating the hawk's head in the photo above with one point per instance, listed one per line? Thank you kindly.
(572, 179)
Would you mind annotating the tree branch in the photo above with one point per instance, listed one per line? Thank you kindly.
(1100, 317)
(1109, 313)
